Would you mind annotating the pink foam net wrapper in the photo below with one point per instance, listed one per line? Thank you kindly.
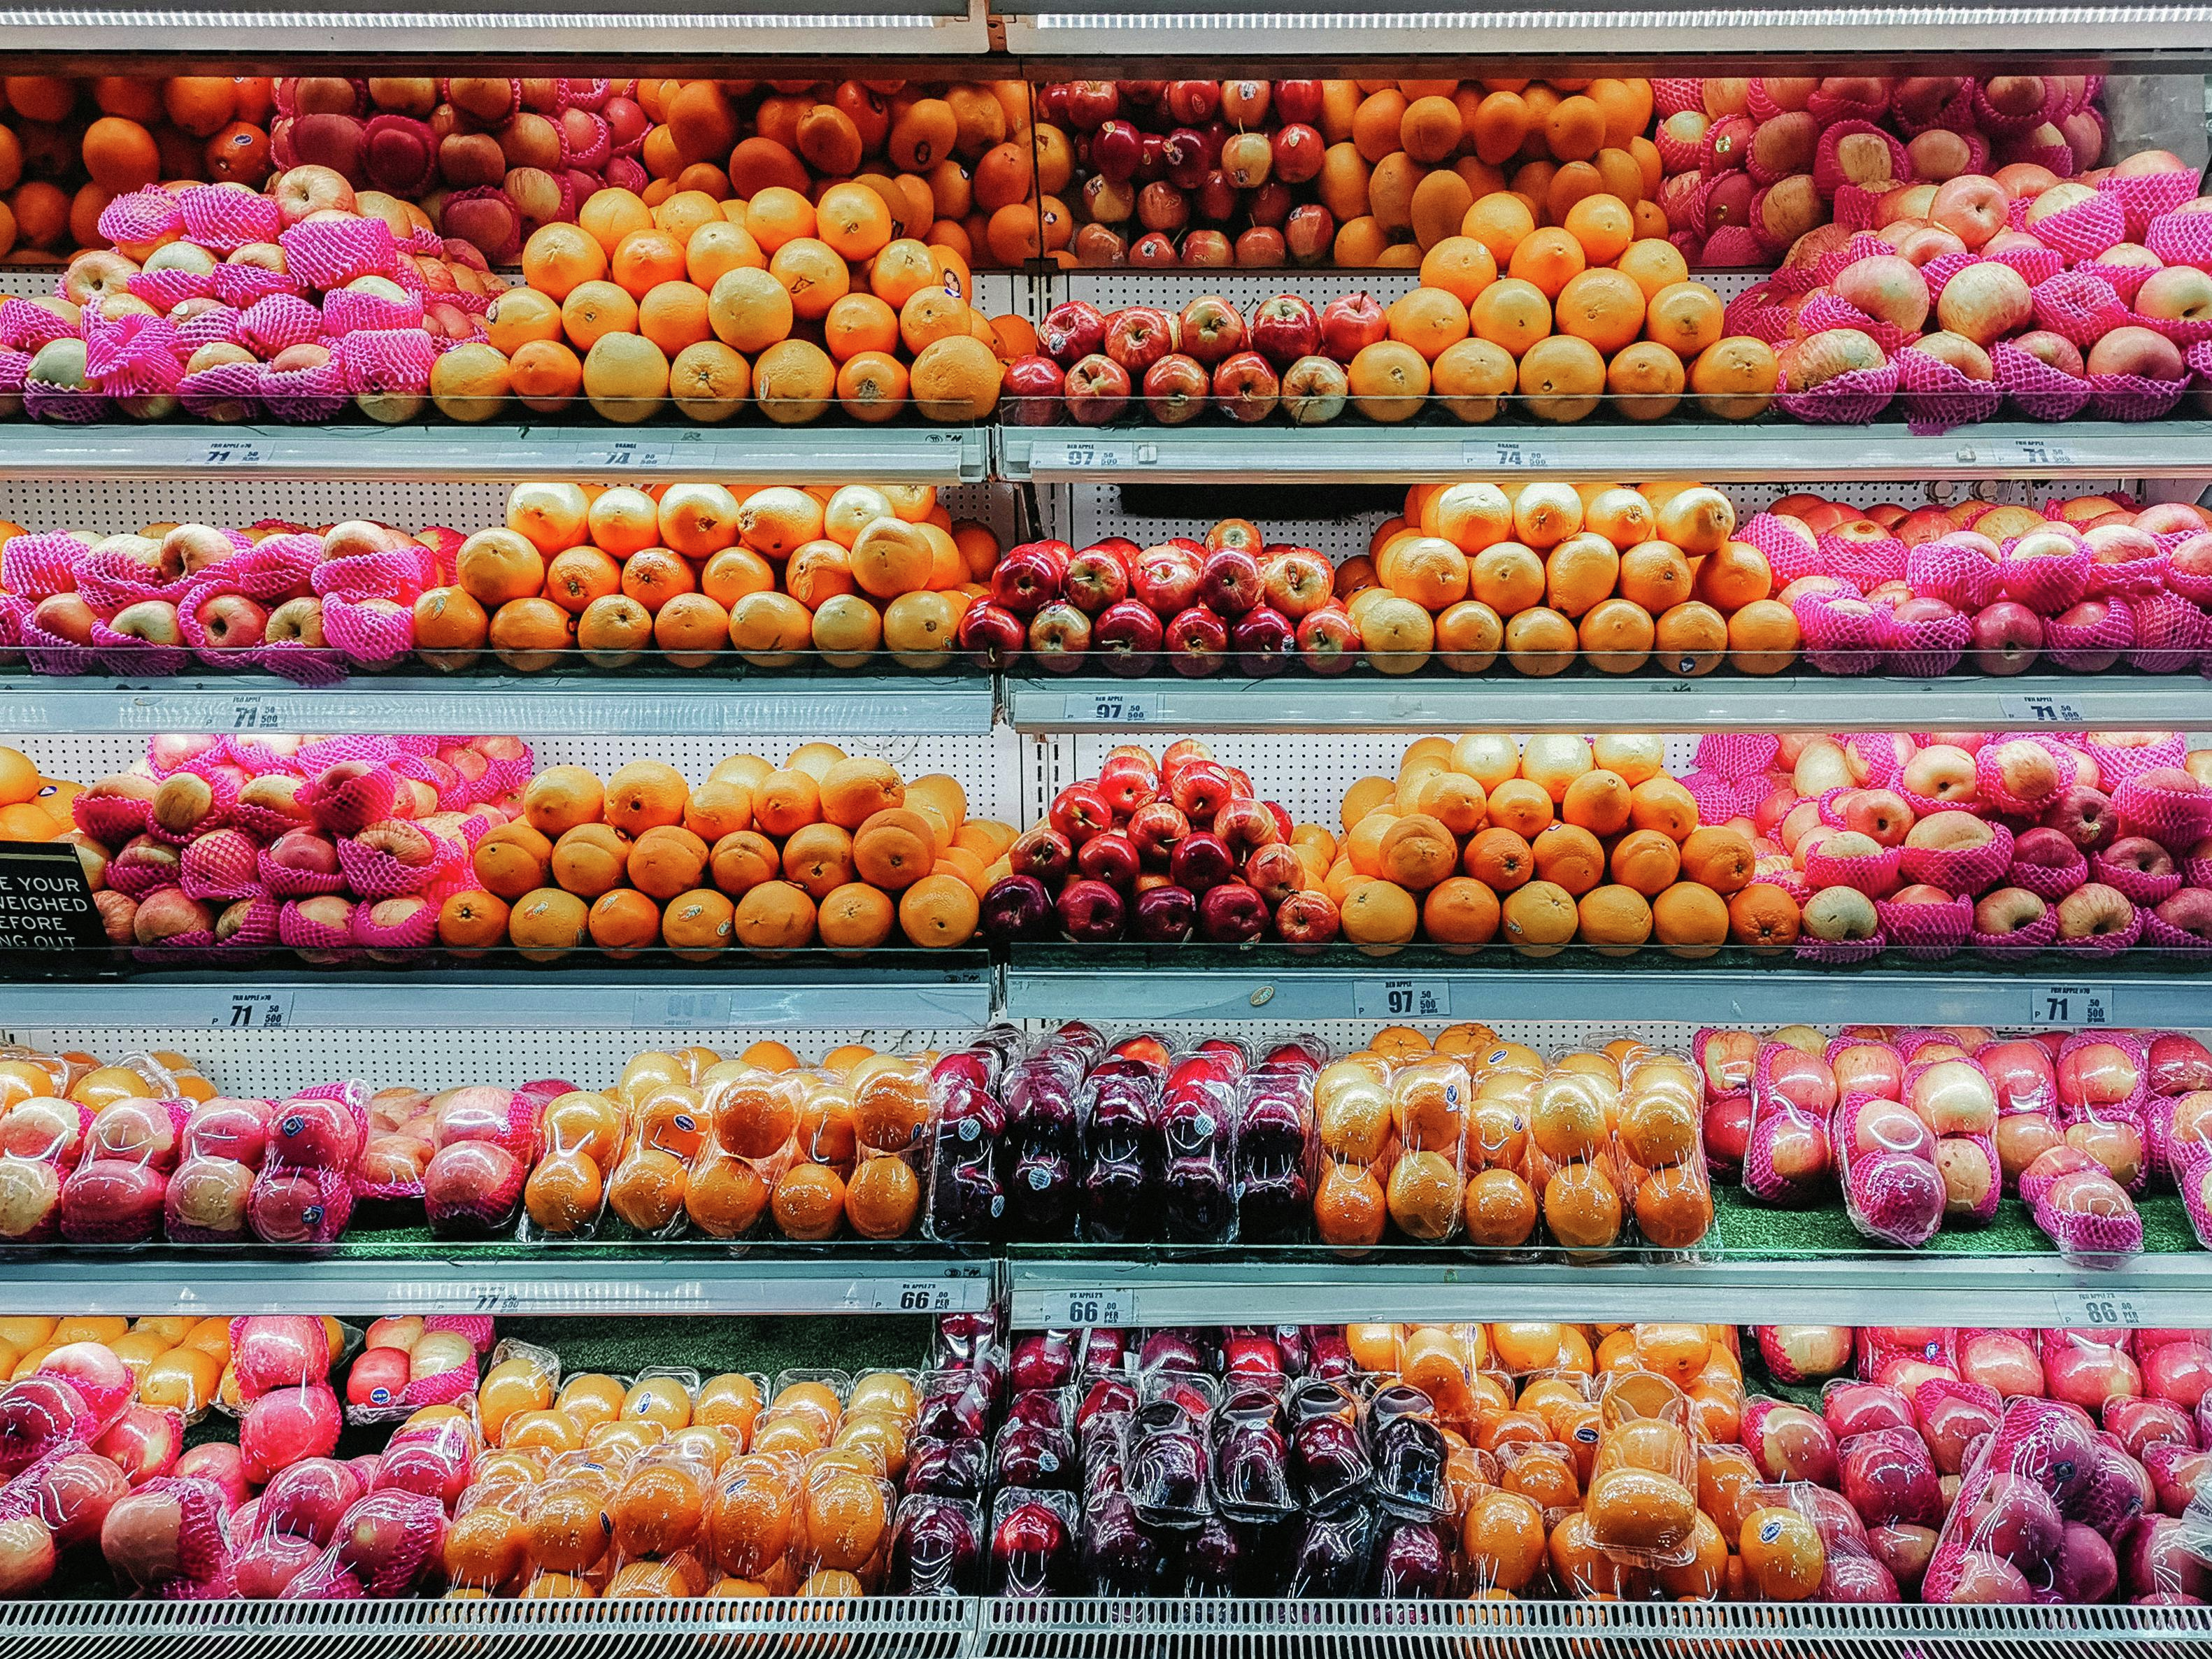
(286, 883)
(241, 285)
(374, 874)
(2037, 264)
(2117, 762)
(1961, 576)
(40, 564)
(2086, 229)
(1967, 870)
(49, 652)
(396, 575)
(386, 361)
(222, 864)
(1850, 120)
(2175, 821)
(2134, 396)
(1787, 555)
(273, 566)
(2080, 306)
(445, 1388)
(277, 320)
(1772, 1112)
(1842, 635)
(1840, 952)
(2139, 887)
(2147, 196)
(2181, 239)
(226, 392)
(418, 929)
(2092, 1223)
(2143, 576)
(333, 253)
(225, 220)
(1849, 399)
(301, 663)
(1930, 645)
(416, 1518)
(165, 290)
(2047, 584)
(1990, 784)
(2164, 937)
(326, 752)
(1828, 310)
(1895, 1197)
(255, 931)
(1865, 565)
(110, 820)
(290, 1206)
(1737, 756)
(2020, 945)
(142, 216)
(1875, 875)
(2037, 390)
(25, 325)
(2090, 648)
(366, 635)
(1716, 796)
(223, 786)
(348, 311)
(2099, 945)
(2171, 634)
(304, 394)
(301, 932)
(1928, 932)
(69, 405)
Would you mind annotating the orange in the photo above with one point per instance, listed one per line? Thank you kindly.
(813, 274)
(794, 381)
(522, 315)
(595, 309)
(610, 215)
(1654, 264)
(1782, 1554)
(939, 912)
(1513, 313)
(776, 216)
(1692, 639)
(673, 316)
(1562, 378)
(858, 323)
(1389, 381)
(643, 259)
(1428, 319)
(1601, 307)
(1689, 919)
(749, 309)
(1546, 259)
(1684, 317)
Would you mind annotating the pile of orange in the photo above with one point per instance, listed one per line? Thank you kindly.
(1576, 316)
(780, 301)
(959, 166)
(1604, 1462)
(70, 147)
(1565, 842)
(32, 806)
(689, 574)
(826, 848)
(1542, 576)
(1479, 1137)
(723, 1145)
(598, 1486)
(178, 1362)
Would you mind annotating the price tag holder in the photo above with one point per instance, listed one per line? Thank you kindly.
(656, 454)
(1506, 455)
(1115, 708)
(1400, 998)
(683, 1010)
(252, 1011)
(913, 1296)
(1079, 1310)
(2041, 452)
(2109, 1310)
(2043, 711)
(1095, 455)
(231, 452)
(2071, 1004)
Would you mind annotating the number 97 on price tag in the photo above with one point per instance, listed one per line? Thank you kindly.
(1400, 998)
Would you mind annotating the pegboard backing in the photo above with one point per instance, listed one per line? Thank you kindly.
(1307, 773)
(987, 764)
(1126, 285)
(109, 506)
(264, 1065)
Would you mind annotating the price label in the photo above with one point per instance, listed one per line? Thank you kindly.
(2070, 1004)
(682, 1011)
(1114, 709)
(2043, 711)
(233, 452)
(913, 1296)
(1098, 455)
(251, 714)
(254, 1011)
(1507, 454)
(2041, 453)
(1400, 998)
(2107, 1309)
(1111, 1305)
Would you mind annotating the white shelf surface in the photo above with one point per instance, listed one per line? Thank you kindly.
(1650, 986)
(674, 705)
(1776, 451)
(1944, 1290)
(363, 1280)
(744, 995)
(1156, 29)
(1433, 700)
(749, 449)
(555, 26)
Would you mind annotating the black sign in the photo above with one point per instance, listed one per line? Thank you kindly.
(46, 912)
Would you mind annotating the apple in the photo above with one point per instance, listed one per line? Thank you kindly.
(1245, 387)
(1196, 642)
(1176, 390)
(2093, 911)
(2084, 815)
(1127, 634)
(1096, 390)
(2029, 773)
(1313, 390)
(1349, 323)
(1035, 386)
(1166, 579)
(296, 621)
(1210, 329)
(1090, 911)
(2133, 350)
(1137, 337)
(1941, 772)
(1284, 329)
